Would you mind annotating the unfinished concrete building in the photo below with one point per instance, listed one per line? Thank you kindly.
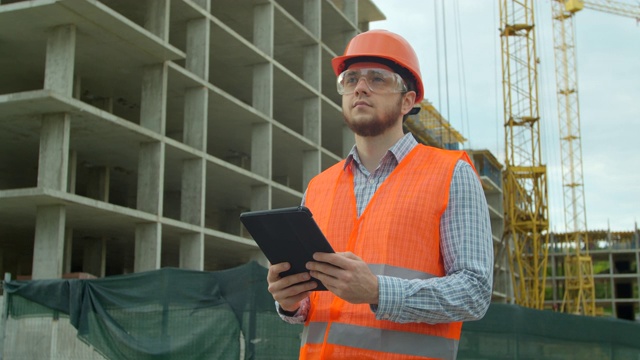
(616, 274)
(133, 133)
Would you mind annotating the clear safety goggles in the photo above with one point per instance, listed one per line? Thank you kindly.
(379, 81)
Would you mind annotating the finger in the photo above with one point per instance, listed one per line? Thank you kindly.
(326, 280)
(350, 255)
(323, 267)
(275, 270)
(340, 260)
(290, 296)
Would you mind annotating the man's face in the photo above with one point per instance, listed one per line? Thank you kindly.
(372, 103)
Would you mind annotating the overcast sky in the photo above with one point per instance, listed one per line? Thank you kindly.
(469, 94)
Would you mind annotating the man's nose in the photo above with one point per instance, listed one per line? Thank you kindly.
(362, 86)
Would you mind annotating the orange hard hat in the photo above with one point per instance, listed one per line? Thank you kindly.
(385, 45)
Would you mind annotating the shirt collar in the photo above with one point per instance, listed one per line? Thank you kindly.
(399, 150)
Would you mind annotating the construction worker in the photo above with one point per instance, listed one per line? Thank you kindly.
(409, 224)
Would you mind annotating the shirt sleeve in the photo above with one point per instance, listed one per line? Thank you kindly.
(464, 293)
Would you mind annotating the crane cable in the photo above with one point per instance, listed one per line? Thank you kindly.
(462, 79)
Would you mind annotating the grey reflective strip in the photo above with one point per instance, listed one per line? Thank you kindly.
(403, 273)
(314, 333)
(397, 342)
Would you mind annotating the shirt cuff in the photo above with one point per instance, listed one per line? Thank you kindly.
(390, 298)
(299, 316)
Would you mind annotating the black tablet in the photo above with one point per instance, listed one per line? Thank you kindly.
(287, 235)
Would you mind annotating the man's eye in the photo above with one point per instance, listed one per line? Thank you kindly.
(351, 79)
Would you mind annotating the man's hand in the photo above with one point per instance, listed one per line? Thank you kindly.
(290, 290)
(345, 275)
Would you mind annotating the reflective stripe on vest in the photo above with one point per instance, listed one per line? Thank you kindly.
(398, 342)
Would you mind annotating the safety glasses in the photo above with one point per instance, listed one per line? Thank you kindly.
(379, 81)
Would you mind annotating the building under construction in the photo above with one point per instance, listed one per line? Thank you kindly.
(134, 133)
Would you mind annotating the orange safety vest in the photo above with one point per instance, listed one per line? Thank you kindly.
(398, 234)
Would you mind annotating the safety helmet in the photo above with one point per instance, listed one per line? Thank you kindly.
(385, 45)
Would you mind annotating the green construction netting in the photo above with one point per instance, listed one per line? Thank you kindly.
(181, 314)
(514, 332)
(166, 314)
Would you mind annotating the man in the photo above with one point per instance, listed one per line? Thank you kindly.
(409, 224)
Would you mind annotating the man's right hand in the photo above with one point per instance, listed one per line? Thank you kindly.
(290, 290)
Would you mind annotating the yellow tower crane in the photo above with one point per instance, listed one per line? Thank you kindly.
(579, 295)
(526, 235)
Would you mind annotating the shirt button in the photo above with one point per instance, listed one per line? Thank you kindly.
(386, 316)
(370, 181)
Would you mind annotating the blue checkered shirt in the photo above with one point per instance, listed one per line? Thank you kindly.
(466, 244)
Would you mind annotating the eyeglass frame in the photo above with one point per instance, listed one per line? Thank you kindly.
(398, 79)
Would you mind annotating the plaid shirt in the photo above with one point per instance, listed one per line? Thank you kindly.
(466, 245)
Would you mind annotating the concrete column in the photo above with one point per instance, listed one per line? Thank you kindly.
(193, 191)
(151, 177)
(192, 251)
(311, 128)
(263, 27)
(198, 47)
(48, 247)
(312, 16)
(196, 99)
(153, 106)
(157, 18)
(312, 66)
(60, 61)
(261, 135)
(196, 105)
(350, 10)
(261, 197)
(148, 247)
(94, 256)
(263, 88)
(68, 251)
(311, 165)
(150, 199)
(98, 183)
(54, 151)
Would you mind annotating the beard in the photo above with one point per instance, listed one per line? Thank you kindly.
(374, 125)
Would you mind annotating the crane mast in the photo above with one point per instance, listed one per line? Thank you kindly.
(579, 295)
(525, 177)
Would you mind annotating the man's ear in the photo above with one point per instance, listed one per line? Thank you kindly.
(408, 100)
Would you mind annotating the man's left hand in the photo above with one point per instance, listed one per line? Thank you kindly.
(345, 275)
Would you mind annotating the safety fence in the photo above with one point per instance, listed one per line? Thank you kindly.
(182, 314)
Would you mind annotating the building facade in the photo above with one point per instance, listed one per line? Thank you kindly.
(134, 133)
